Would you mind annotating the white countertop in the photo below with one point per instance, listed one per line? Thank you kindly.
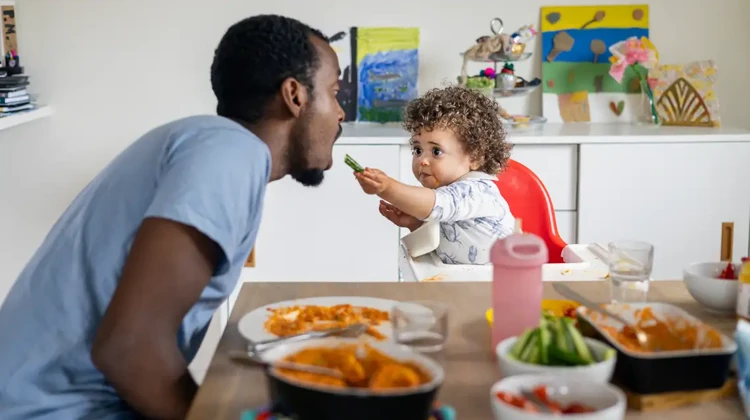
(571, 133)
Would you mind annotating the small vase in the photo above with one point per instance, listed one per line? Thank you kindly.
(646, 111)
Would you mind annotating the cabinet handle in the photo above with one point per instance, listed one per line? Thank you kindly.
(727, 241)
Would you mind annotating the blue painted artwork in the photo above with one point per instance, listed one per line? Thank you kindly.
(387, 72)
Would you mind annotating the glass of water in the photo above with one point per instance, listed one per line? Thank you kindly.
(421, 325)
(630, 266)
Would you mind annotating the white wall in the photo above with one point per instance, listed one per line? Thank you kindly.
(113, 69)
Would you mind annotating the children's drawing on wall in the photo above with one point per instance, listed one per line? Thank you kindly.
(379, 71)
(685, 94)
(344, 43)
(576, 61)
(387, 62)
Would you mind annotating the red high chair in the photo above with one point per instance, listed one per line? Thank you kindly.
(529, 200)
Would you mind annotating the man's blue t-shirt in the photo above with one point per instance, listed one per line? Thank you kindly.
(207, 172)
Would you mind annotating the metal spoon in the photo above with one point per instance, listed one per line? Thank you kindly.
(566, 291)
(253, 360)
(353, 330)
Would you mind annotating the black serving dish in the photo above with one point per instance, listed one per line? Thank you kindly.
(304, 401)
(664, 371)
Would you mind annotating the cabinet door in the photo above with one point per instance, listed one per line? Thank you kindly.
(566, 225)
(406, 175)
(333, 232)
(557, 167)
(675, 196)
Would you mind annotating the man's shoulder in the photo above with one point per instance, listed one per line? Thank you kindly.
(203, 122)
(211, 135)
(207, 126)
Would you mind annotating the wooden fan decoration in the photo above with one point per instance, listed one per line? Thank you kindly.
(681, 104)
(686, 93)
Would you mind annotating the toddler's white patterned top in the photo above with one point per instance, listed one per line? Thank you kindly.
(472, 216)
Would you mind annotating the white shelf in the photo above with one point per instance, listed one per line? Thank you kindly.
(25, 117)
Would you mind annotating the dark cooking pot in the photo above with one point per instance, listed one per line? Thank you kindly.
(303, 401)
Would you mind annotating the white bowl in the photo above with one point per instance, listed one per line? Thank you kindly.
(600, 372)
(608, 400)
(717, 295)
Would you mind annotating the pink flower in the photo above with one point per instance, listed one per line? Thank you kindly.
(636, 56)
(633, 44)
(630, 52)
(617, 70)
(652, 82)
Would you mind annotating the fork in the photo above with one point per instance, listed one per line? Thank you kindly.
(353, 330)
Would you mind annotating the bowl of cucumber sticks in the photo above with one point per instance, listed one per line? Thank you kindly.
(557, 348)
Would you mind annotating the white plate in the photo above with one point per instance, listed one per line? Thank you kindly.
(251, 324)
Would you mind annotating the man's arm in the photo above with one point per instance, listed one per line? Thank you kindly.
(136, 347)
(212, 183)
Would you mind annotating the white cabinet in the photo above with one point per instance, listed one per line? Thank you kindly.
(333, 232)
(675, 196)
(567, 225)
(674, 193)
(556, 166)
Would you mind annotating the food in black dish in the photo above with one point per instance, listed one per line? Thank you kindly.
(296, 396)
(654, 372)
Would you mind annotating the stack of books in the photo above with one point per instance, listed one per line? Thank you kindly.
(14, 96)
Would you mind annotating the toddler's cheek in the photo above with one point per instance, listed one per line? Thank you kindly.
(429, 182)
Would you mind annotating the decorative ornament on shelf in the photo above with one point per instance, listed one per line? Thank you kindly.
(518, 41)
(685, 94)
(634, 54)
(497, 82)
(489, 73)
(498, 47)
(508, 76)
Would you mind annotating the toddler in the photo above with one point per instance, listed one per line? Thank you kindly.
(458, 146)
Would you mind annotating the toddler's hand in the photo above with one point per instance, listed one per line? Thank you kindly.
(373, 181)
(398, 217)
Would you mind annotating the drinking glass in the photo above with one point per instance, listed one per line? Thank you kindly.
(630, 266)
(420, 325)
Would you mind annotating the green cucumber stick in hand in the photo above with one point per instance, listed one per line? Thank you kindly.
(353, 164)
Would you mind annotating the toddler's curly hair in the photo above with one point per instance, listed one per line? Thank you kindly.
(470, 115)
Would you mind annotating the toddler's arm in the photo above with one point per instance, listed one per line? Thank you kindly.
(462, 200)
(467, 199)
(416, 201)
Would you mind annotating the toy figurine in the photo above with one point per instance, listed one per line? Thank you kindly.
(507, 76)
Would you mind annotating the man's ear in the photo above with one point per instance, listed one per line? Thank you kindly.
(294, 95)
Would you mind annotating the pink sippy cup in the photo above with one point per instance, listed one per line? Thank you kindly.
(516, 284)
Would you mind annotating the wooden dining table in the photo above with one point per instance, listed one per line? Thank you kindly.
(469, 361)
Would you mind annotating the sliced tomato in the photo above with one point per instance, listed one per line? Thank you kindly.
(540, 391)
(577, 408)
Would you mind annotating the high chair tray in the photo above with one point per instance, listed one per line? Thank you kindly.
(581, 264)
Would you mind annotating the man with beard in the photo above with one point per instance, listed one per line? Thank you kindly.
(105, 318)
